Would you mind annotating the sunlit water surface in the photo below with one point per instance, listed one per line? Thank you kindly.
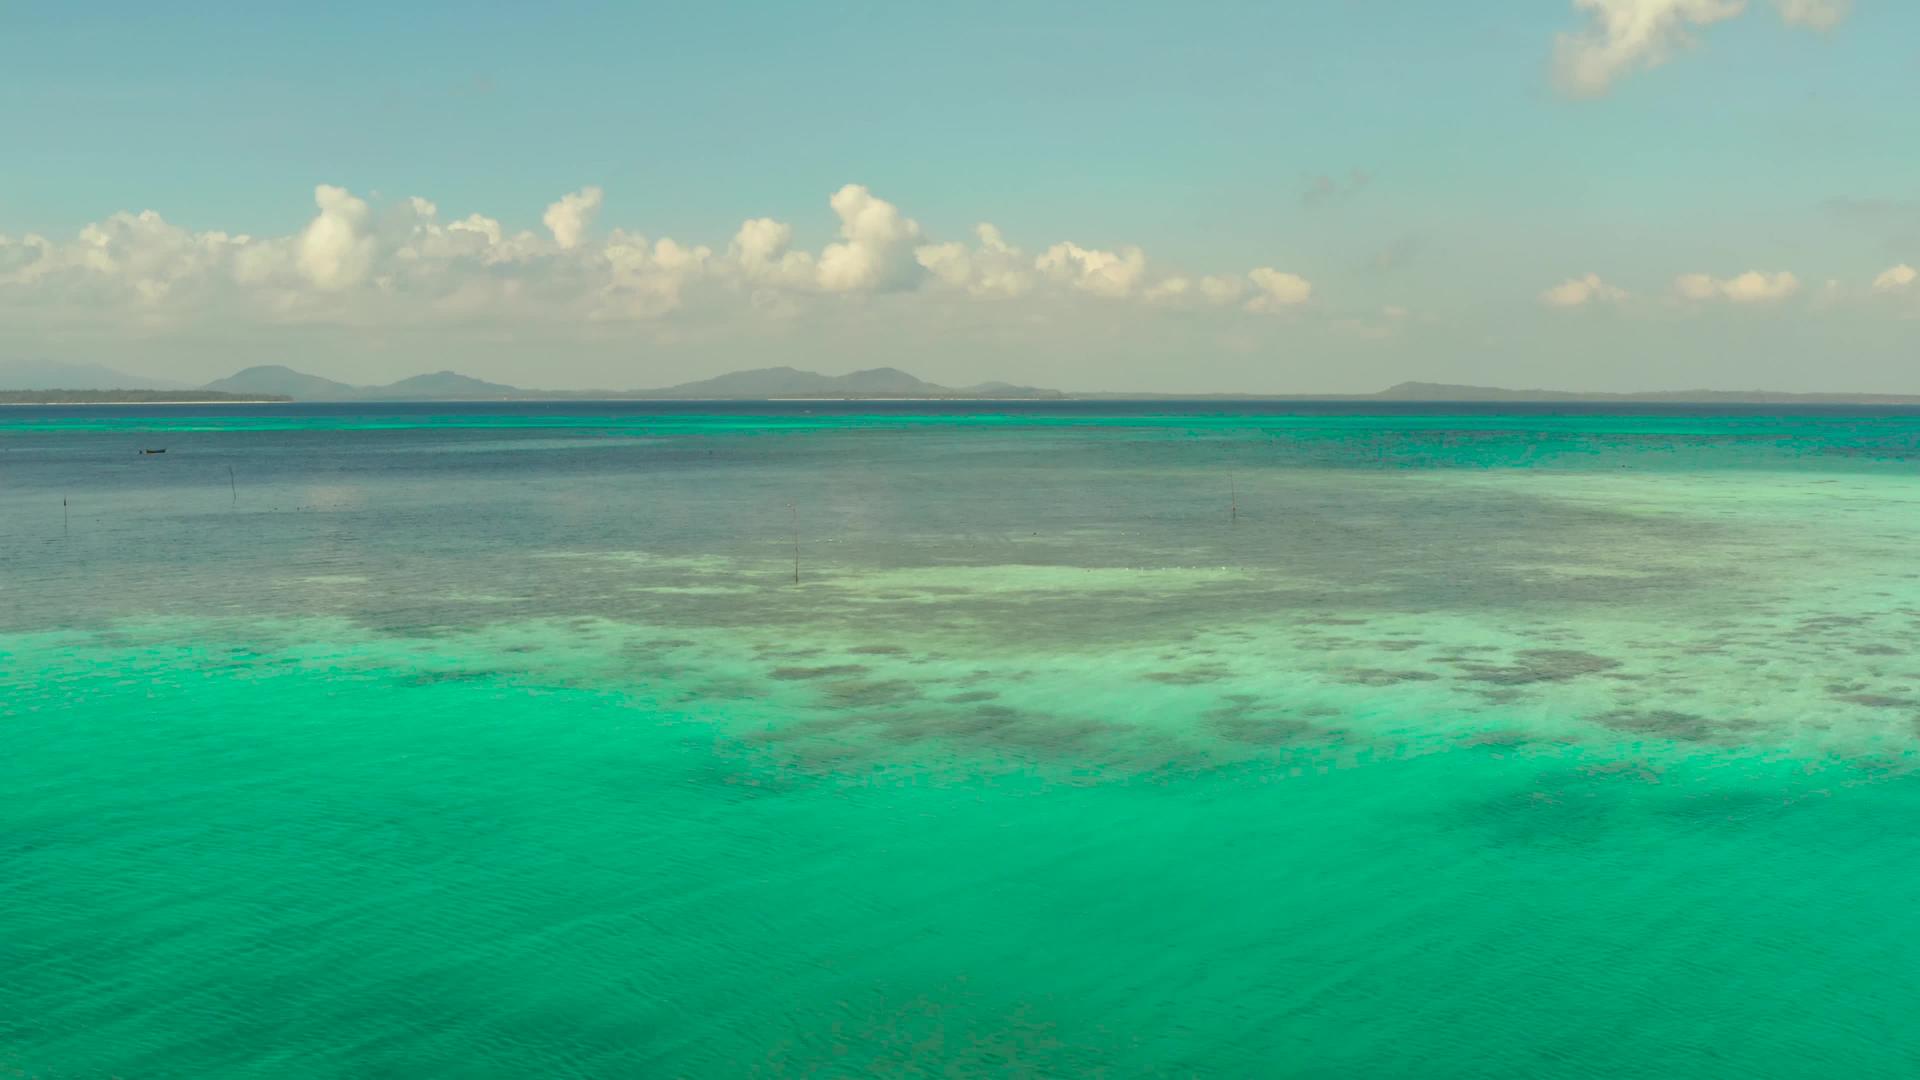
(500, 740)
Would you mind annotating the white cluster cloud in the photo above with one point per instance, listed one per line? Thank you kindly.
(994, 268)
(1221, 290)
(1581, 291)
(1895, 278)
(1623, 36)
(761, 251)
(357, 263)
(1752, 287)
(1124, 273)
(1276, 289)
(644, 281)
(1213, 290)
(1102, 273)
(875, 250)
(568, 219)
(140, 259)
(354, 262)
(336, 250)
(416, 236)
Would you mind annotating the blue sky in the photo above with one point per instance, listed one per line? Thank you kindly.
(1432, 170)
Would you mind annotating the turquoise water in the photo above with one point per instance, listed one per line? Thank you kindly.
(1092, 740)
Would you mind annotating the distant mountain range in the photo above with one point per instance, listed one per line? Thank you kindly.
(786, 382)
(300, 386)
(273, 381)
(758, 385)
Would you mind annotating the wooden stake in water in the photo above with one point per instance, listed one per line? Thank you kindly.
(231, 486)
(795, 509)
(63, 517)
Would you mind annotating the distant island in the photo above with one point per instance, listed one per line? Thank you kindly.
(762, 384)
(877, 384)
(272, 382)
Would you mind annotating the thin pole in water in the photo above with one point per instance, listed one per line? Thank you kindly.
(63, 517)
(1233, 501)
(233, 487)
(795, 508)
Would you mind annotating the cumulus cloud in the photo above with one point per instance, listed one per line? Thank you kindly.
(1624, 36)
(336, 250)
(1752, 287)
(875, 250)
(647, 280)
(1895, 278)
(761, 241)
(139, 263)
(992, 268)
(1628, 35)
(1211, 290)
(1102, 273)
(760, 250)
(1170, 290)
(1275, 290)
(407, 262)
(568, 219)
(25, 259)
(416, 236)
(487, 229)
(148, 255)
(1581, 291)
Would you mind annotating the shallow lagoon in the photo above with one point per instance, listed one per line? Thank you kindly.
(1094, 739)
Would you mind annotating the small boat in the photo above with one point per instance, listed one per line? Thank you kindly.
(162, 450)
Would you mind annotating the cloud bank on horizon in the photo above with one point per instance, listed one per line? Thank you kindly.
(1388, 262)
(405, 263)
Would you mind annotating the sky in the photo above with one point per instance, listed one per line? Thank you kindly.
(1263, 197)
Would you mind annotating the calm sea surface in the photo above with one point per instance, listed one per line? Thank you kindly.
(1092, 740)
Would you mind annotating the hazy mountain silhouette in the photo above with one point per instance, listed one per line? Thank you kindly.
(446, 385)
(271, 380)
(778, 382)
(275, 379)
(786, 382)
(440, 385)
